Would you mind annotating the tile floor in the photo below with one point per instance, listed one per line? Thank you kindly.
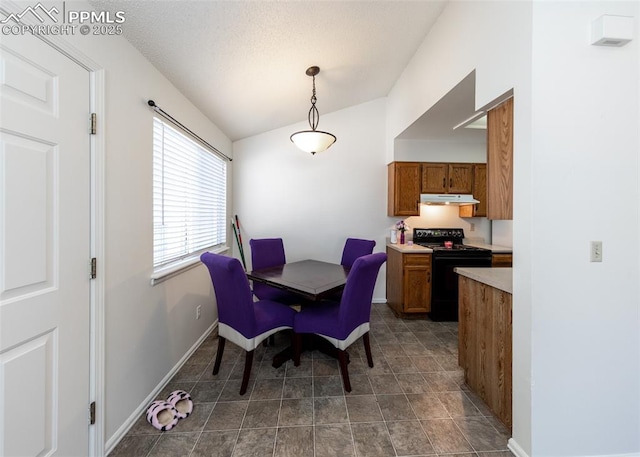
(412, 403)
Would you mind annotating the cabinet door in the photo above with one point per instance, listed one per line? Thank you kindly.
(416, 283)
(479, 191)
(403, 191)
(434, 178)
(460, 178)
(500, 161)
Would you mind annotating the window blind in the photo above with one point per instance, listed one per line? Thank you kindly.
(189, 197)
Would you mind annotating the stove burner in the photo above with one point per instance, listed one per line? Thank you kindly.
(442, 239)
(455, 247)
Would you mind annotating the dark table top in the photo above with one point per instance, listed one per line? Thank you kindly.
(312, 278)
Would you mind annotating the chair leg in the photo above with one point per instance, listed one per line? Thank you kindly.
(367, 349)
(248, 360)
(216, 366)
(297, 347)
(342, 358)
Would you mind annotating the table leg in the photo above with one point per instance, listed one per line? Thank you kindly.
(309, 343)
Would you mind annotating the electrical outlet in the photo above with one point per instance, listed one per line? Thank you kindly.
(198, 311)
(596, 251)
(472, 227)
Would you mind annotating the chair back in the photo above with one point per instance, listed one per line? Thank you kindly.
(233, 294)
(355, 305)
(354, 248)
(267, 252)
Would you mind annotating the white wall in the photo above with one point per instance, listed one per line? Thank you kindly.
(576, 352)
(315, 202)
(148, 328)
(436, 216)
(440, 151)
(585, 321)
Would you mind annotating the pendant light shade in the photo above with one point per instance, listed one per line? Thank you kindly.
(313, 140)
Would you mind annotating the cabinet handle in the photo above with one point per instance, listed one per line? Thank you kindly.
(444, 182)
(450, 182)
(428, 277)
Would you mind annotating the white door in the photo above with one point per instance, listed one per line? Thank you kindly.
(44, 251)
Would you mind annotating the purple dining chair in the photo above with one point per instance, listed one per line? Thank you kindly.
(241, 320)
(343, 323)
(265, 253)
(354, 248)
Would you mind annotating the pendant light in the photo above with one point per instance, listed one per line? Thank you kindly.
(313, 140)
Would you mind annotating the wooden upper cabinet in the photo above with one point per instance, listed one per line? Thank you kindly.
(447, 178)
(434, 178)
(500, 161)
(479, 191)
(460, 178)
(403, 192)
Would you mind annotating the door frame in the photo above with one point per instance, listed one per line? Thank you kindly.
(96, 74)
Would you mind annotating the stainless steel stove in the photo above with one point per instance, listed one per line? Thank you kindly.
(449, 252)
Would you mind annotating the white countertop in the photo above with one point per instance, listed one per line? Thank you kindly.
(410, 249)
(499, 278)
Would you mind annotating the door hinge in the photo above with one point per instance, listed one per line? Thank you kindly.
(93, 123)
(94, 268)
(92, 413)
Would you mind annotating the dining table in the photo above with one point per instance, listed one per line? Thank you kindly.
(313, 281)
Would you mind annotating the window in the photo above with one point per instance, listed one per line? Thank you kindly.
(189, 197)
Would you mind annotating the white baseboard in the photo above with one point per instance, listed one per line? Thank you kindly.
(516, 449)
(519, 452)
(124, 428)
(379, 300)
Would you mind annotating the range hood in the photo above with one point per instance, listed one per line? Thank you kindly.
(447, 199)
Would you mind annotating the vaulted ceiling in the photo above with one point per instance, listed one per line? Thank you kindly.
(243, 63)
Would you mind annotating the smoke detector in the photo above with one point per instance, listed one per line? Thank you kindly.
(610, 30)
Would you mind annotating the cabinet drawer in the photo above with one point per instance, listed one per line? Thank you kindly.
(417, 259)
(501, 260)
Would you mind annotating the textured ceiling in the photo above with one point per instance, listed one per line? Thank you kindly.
(242, 63)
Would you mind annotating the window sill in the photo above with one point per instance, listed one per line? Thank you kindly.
(177, 268)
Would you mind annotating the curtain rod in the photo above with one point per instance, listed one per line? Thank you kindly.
(173, 120)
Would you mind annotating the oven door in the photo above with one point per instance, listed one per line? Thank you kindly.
(444, 289)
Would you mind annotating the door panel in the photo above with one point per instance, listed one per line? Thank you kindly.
(27, 220)
(45, 229)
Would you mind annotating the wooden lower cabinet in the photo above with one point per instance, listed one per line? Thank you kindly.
(501, 260)
(408, 283)
(484, 344)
